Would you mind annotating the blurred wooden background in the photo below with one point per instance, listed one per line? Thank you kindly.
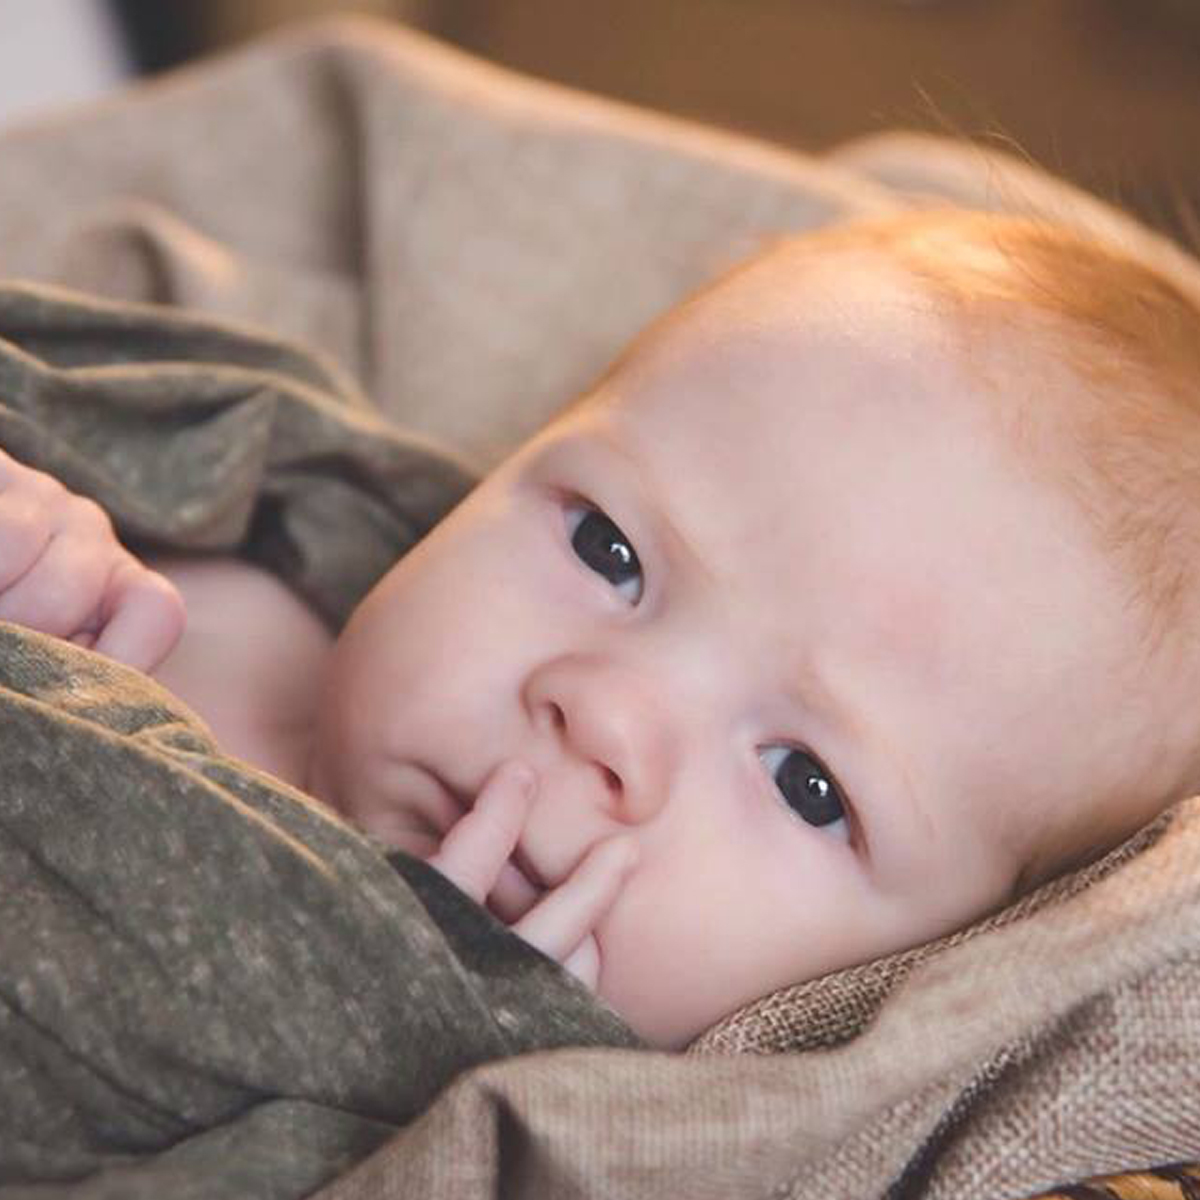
(1105, 92)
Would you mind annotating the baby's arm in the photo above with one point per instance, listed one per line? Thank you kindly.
(560, 922)
(63, 572)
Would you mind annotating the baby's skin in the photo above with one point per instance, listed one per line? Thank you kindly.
(764, 659)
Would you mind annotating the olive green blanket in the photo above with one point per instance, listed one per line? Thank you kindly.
(209, 987)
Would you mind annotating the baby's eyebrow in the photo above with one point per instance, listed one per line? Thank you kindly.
(651, 504)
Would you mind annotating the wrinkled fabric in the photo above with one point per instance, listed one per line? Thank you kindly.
(197, 437)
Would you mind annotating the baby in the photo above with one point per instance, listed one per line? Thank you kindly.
(857, 598)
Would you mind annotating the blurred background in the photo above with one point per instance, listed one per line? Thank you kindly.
(1104, 92)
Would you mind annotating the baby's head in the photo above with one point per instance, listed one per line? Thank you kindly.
(859, 593)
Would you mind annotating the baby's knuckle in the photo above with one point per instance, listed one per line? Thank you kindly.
(24, 530)
(90, 516)
(42, 487)
(149, 581)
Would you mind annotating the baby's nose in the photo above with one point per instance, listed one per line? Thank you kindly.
(605, 718)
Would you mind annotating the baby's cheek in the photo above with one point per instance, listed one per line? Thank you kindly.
(654, 967)
(398, 804)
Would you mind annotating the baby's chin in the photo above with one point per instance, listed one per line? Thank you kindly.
(654, 1012)
(660, 1032)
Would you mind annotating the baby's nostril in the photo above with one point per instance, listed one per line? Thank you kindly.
(557, 717)
(611, 778)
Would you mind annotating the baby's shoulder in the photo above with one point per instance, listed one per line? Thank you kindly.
(251, 660)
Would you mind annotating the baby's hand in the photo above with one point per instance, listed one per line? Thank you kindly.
(474, 856)
(63, 572)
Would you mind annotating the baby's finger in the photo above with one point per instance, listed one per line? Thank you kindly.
(565, 916)
(474, 852)
(60, 593)
(584, 962)
(142, 616)
(25, 534)
(513, 896)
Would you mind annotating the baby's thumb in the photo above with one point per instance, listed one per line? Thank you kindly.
(584, 962)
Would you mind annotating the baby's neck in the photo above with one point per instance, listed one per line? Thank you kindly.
(251, 662)
(281, 753)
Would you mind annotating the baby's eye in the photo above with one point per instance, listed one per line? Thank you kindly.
(807, 788)
(603, 548)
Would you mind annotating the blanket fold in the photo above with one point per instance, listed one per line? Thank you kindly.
(199, 436)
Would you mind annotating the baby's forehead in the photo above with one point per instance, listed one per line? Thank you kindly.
(849, 293)
(784, 314)
(780, 338)
(853, 330)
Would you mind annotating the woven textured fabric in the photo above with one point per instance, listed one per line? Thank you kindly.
(473, 245)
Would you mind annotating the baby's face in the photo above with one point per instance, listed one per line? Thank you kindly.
(776, 603)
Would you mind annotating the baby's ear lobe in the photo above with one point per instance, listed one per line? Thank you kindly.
(1024, 882)
(1042, 865)
(1078, 858)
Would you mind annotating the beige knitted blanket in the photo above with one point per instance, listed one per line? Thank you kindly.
(474, 247)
